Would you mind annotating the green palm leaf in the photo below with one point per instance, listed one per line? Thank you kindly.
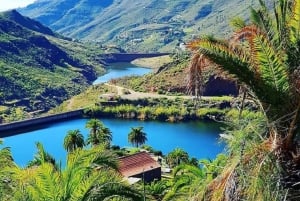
(271, 65)
(45, 185)
(294, 23)
(234, 62)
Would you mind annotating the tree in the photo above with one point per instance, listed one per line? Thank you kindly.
(137, 137)
(98, 133)
(186, 180)
(157, 189)
(88, 175)
(94, 125)
(42, 157)
(73, 140)
(6, 161)
(176, 157)
(6, 158)
(192, 180)
(264, 57)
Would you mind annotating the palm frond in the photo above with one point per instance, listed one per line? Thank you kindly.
(294, 23)
(273, 70)
(262, 19)
(195, 81)
(45, 184)
(237, 23)
(234, 62)
(6, 158)
(190, 170)
(115, 189)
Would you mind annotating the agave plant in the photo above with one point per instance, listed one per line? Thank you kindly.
(264, 57)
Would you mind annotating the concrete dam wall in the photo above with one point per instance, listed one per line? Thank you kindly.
(40, 120)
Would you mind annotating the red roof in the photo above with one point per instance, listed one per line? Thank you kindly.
(137, 164)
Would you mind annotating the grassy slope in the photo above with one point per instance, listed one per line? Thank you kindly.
(39, 71)
(154, 62)
(170, 79)
(85, 99)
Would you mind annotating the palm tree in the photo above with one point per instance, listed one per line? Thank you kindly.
(6, 158)
(98, 133)
(157, 189)
(42, 157)
(80, 180)
(73, 140)
(264, 57)
(176, 157)
(192, 180)
(94, 125)
(6, 161)
(186, 181)
(103, 135)
(137, 137)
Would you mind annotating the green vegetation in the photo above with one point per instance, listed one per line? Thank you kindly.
(90, 174)
(39, 71)
(99, 134)
(73, 140)
(162, 109)
(144, 26)
(87, 98)
(155, 62)
(177, 157)
(169, 79)
(137, 136)
(82, 179)
(264, 57)
(262, 136)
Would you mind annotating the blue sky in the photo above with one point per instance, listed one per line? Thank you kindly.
(10, 4)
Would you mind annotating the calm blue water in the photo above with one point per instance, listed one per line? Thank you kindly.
(118, 70)
(199, 139)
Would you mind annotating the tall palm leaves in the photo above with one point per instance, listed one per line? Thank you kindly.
(261, 56)
(42, 157)
(265, 57)
(73, 140)
(176, 157)
(137, 137)
(89, 175)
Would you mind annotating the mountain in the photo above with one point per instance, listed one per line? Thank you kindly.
(147, 25)
(38, 68)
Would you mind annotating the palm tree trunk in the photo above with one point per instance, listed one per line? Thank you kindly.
(292, 129)
(243, 103)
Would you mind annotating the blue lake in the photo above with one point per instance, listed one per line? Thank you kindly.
(121, 69)
(199, 139)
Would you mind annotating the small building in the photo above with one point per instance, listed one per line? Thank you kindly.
(140, 165)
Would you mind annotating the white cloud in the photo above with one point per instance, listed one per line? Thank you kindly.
(10, 4)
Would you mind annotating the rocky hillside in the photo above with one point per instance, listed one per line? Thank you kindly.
(38, 70)
(172, 79)
(147, 25)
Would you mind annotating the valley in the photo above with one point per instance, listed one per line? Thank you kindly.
(143, 26)
(153, 100)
